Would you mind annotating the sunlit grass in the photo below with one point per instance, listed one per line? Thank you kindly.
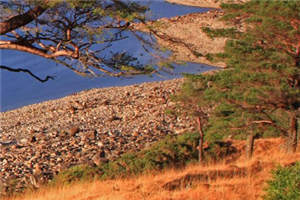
(268, 153)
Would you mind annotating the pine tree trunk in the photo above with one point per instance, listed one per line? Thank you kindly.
(297, 59)
(292, 138)
(200, 147)
(250, 146)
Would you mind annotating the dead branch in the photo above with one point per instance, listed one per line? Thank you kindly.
(27, 71)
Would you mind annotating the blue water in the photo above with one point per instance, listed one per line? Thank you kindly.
(19, 89)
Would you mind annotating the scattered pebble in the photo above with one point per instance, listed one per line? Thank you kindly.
(102, 124)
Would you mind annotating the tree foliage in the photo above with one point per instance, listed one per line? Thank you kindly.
(259, 92)
(76, 34)
(284, 184)
(192, 101)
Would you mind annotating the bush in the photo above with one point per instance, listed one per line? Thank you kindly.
(219, 150)
(75, 173)
(169, 152)
(172, 151)
(285, 184)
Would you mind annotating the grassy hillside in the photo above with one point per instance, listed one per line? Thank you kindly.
(241, 179)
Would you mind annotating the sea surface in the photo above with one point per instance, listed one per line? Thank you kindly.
(20, 89)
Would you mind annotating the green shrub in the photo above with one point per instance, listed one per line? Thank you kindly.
(285, 184)
(218, 151)
(172, 151)
(76, 173)
(169, 152)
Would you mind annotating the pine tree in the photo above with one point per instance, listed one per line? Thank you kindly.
(259, 92)
(192, 102)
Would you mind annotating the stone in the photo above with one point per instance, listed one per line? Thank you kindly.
(91, 135)
(72, 131)
(135, 134)
(33, 139)
(100, 144)
(24, 141)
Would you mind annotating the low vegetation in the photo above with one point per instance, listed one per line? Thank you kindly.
(241, 179)
(285, 183)
(171, 152)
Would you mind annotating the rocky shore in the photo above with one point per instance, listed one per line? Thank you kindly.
(51, 136)
(183, 36)
(198, 3)
(205, 3)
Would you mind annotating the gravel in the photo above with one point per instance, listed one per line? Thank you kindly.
(40, 140)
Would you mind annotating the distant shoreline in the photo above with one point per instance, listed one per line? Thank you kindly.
(204, 3)
(197, 3)
(183, 35)
(192, 67)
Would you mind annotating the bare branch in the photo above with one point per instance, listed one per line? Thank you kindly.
(262, 122)
(27, 71)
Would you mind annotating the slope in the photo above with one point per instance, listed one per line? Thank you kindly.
(241, 179)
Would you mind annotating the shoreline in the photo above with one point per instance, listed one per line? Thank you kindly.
(197, 3)
(208, 68)
(183, 36)
(205, 3)
(82, 91)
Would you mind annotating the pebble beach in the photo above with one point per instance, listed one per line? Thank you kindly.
(58, 134)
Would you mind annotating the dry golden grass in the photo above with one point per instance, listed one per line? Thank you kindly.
(267, 155)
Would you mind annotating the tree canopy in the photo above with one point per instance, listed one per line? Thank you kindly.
(259, 92)
(76, 34)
